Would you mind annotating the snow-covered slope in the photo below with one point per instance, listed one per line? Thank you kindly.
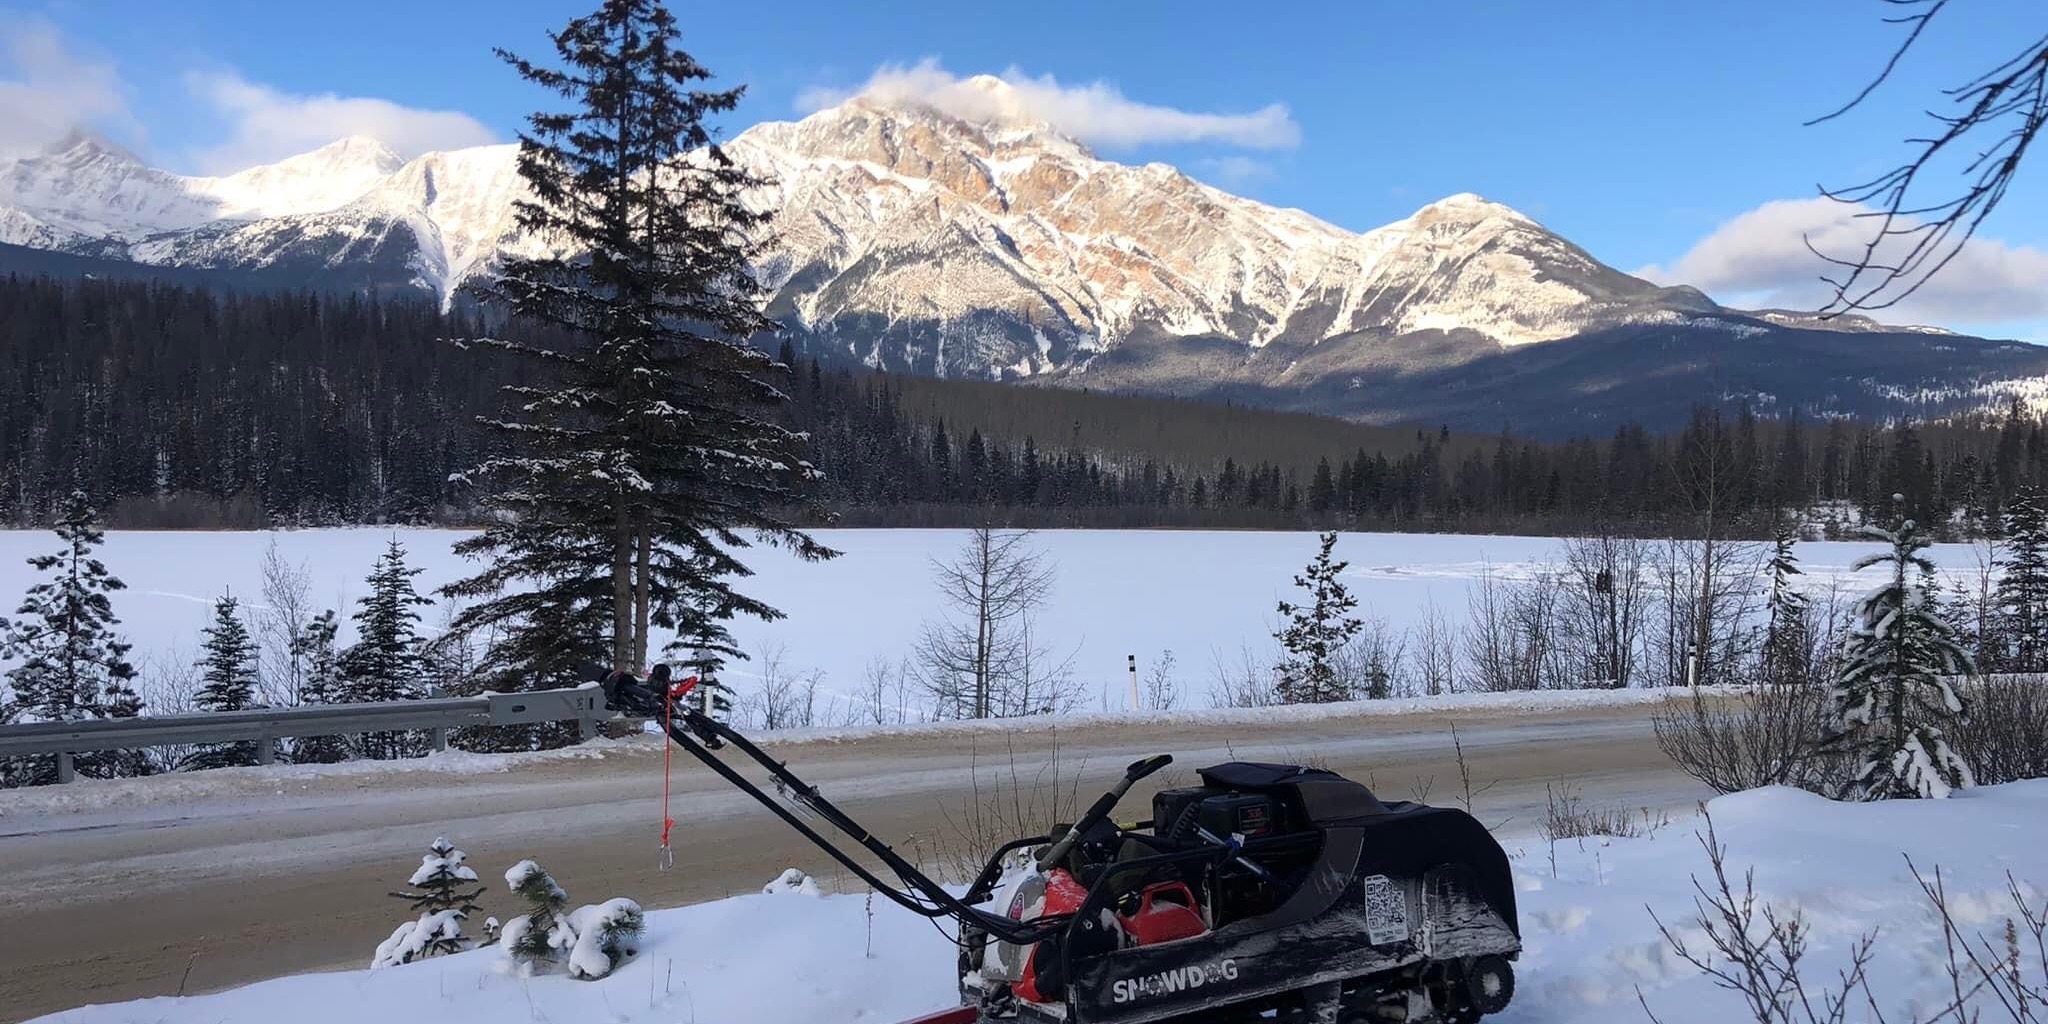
(1589, 913)
(86, 188)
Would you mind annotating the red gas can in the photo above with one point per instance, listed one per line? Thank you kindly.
(1166, 911)
(1063, 895)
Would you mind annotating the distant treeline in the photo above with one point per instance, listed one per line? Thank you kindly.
(174, 407)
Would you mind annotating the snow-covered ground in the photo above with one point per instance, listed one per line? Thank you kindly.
(1590, 943)
(1200, 594)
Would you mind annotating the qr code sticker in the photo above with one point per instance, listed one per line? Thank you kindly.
(1386, 911)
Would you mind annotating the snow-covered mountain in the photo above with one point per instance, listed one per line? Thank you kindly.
(894, 219)
(912, 240)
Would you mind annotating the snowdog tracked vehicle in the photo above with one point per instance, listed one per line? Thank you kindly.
(1268, 892)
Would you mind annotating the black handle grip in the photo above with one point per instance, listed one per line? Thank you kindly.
(1146, 766)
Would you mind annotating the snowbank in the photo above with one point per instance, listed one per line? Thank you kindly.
(182, 787)
(1589, 938)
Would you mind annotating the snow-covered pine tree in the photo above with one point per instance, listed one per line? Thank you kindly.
(589, 941)
(535, 937)
(228, 683)
(384, 662)
(648, 454)
(1316, 632)
(2022, 592)
(320, 664)
(1787, 651)
(73, 665)
(441, 894)
(1893, 691)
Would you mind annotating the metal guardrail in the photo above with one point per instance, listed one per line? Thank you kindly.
(265, 726)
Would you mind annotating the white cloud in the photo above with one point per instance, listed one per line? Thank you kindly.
(1761, 256)
(263, 124)
(1096, 113)
(47, 89)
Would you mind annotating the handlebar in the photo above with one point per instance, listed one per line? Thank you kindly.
(1101, 808)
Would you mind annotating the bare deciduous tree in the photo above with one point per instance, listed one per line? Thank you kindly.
(1993, 119)
(1374, 665)
(1162, 687)
(1514, 638)
(280, 626)
(1434, 651)
(981, 659)
(885, 693)
(1246, 682)
(1606, 605)
(786, 699)
(1711, 591)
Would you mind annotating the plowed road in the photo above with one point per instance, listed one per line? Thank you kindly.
(205, 881)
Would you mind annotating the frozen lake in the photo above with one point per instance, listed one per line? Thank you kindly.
(1118, 593)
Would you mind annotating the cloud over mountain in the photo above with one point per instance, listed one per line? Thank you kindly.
(1097, 113)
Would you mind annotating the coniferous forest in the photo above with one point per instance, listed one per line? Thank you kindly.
(179, 408)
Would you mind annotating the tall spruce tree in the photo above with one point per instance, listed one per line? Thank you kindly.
(1893, 692)
(2022, 594)
(648, 454)
(1316, 633)
(384, 664)
(1787, 656)
(72, 664)
(228, 683)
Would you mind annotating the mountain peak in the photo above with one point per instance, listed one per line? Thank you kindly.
(79, 145)
(1468, 205)
(348, 153)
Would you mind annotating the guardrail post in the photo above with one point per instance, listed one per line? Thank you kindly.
(437, 737)
(586, 728)
(266, 750)
(65, 770)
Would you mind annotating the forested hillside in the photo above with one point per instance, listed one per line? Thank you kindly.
(176, 407)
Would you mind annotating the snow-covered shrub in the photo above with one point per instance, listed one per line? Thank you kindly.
(1893, 694)
(441, 894)
(589, 941)
(605, 934)
(439, 931)
(792, 881)
(532, 938)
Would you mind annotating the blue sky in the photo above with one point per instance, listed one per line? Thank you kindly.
(1663, 137)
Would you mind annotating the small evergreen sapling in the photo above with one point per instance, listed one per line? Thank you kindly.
(1786, 657)
(535, 937)
(1892, 692)
(589, 941)
(229, 674)
(1316, 633)
(321, 665)
(442, 896)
